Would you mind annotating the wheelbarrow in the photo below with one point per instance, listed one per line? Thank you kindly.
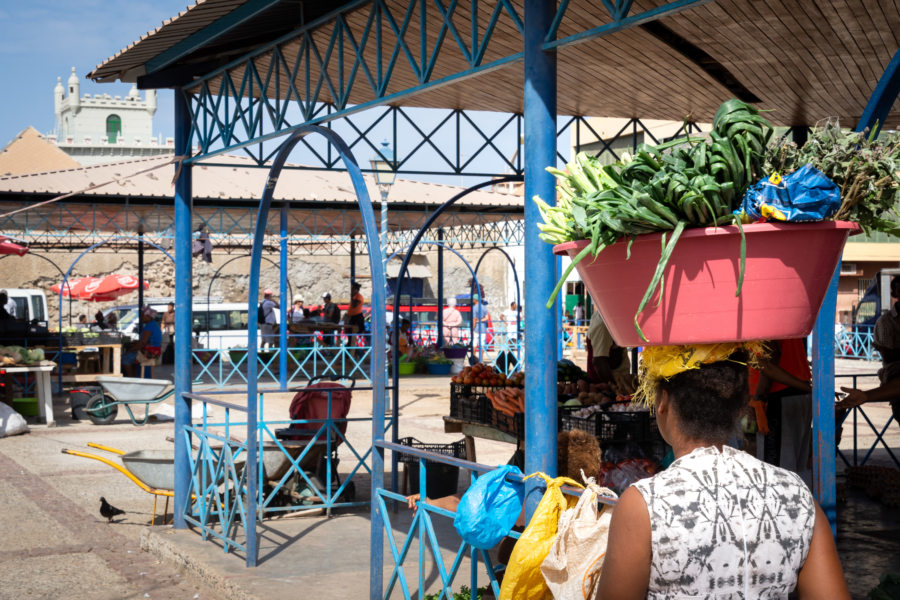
(103, 406)
(151, 470)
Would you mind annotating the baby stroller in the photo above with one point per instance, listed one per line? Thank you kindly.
(312, 403)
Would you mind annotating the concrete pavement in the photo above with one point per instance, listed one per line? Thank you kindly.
(57, 545)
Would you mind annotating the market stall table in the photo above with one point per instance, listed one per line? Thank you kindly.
(110, 362)
(41, 373)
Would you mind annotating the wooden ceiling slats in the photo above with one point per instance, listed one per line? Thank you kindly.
(886, 43)
(789, 81)
(806, 60)
(842, 66)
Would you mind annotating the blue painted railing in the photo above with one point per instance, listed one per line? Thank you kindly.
(422, 534)
(853, 415)
(217, 505)
(856, 342)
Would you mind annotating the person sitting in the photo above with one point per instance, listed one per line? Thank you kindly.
(99, 323)
(112, 321)
(718, 522)
(147, 348)
(4, 313)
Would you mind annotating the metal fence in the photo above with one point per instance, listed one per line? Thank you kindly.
(854, 417)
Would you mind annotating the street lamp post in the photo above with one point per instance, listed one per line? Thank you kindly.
(382, 166)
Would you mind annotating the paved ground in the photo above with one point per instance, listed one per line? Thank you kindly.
(57, 545)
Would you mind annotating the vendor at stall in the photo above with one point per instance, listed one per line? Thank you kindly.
(607, 362)
(147, 348)
(886, 339)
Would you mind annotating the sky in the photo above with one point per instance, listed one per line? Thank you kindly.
(41, 40)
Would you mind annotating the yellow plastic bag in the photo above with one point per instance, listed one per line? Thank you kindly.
(523, 579)
(572, 567)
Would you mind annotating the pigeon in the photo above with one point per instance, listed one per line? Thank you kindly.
(108, 510)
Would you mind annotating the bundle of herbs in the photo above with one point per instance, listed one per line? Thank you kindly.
(867, 169)
(693, 181)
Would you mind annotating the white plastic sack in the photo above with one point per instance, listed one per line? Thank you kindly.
(11, 422)
(572, 567)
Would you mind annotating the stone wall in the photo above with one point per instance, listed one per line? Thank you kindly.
(309, 276)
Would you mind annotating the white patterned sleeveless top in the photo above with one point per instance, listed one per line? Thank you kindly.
(725, 525)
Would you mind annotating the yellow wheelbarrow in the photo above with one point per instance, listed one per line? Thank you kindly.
(151, 470)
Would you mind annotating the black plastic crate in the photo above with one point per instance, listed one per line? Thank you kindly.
(624, 426)
(454, 449)
(442, 479)
(470, 408)
(511, 424)
(569, 422)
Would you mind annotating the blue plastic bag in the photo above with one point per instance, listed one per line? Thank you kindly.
(489, 508)
(807, 194)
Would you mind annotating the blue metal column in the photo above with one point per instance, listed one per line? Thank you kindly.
(540, 264)
(823, 403)
(883, 96)
(560, 312)
(285, 301)
(183, 292)
(440, 289)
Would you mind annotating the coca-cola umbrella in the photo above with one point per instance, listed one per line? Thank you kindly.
(74, 287)
(8, 247)
(110, 287)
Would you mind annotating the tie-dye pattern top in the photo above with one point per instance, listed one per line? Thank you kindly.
(725, 525)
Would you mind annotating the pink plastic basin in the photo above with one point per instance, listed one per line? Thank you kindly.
(789, 267)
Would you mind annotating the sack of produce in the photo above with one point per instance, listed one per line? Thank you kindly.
(11, 422)
(572, 567)
(523, 579)
(489, 508)
(804, 195)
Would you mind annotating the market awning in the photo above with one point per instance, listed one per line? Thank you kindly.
(805, 60)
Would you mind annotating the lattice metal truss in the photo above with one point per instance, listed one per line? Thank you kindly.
(74, 226)
(326, 69)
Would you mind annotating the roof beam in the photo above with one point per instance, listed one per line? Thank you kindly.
(197, 40)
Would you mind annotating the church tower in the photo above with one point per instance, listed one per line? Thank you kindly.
(104, 128)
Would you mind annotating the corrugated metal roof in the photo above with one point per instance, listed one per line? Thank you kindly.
(29, 152)
(240, 182)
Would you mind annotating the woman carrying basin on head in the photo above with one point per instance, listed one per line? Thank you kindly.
(718, 523)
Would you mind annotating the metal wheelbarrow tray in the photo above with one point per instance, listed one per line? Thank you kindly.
(151, 470)
(103, 407)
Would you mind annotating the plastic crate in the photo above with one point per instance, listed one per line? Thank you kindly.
(569, 422)
(511, 424)
(624, 426)
(442, 479)
(470, 408)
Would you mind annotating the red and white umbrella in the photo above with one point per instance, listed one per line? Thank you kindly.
(74, 287)
(8, 247)
(110, 287)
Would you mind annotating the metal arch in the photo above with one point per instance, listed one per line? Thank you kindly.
(395, 332)
(58, 270)
(377, 360)
(518, 294)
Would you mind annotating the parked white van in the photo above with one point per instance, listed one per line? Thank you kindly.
(31, 304)
(216, 326)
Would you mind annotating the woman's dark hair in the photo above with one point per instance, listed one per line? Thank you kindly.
(709, 400)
